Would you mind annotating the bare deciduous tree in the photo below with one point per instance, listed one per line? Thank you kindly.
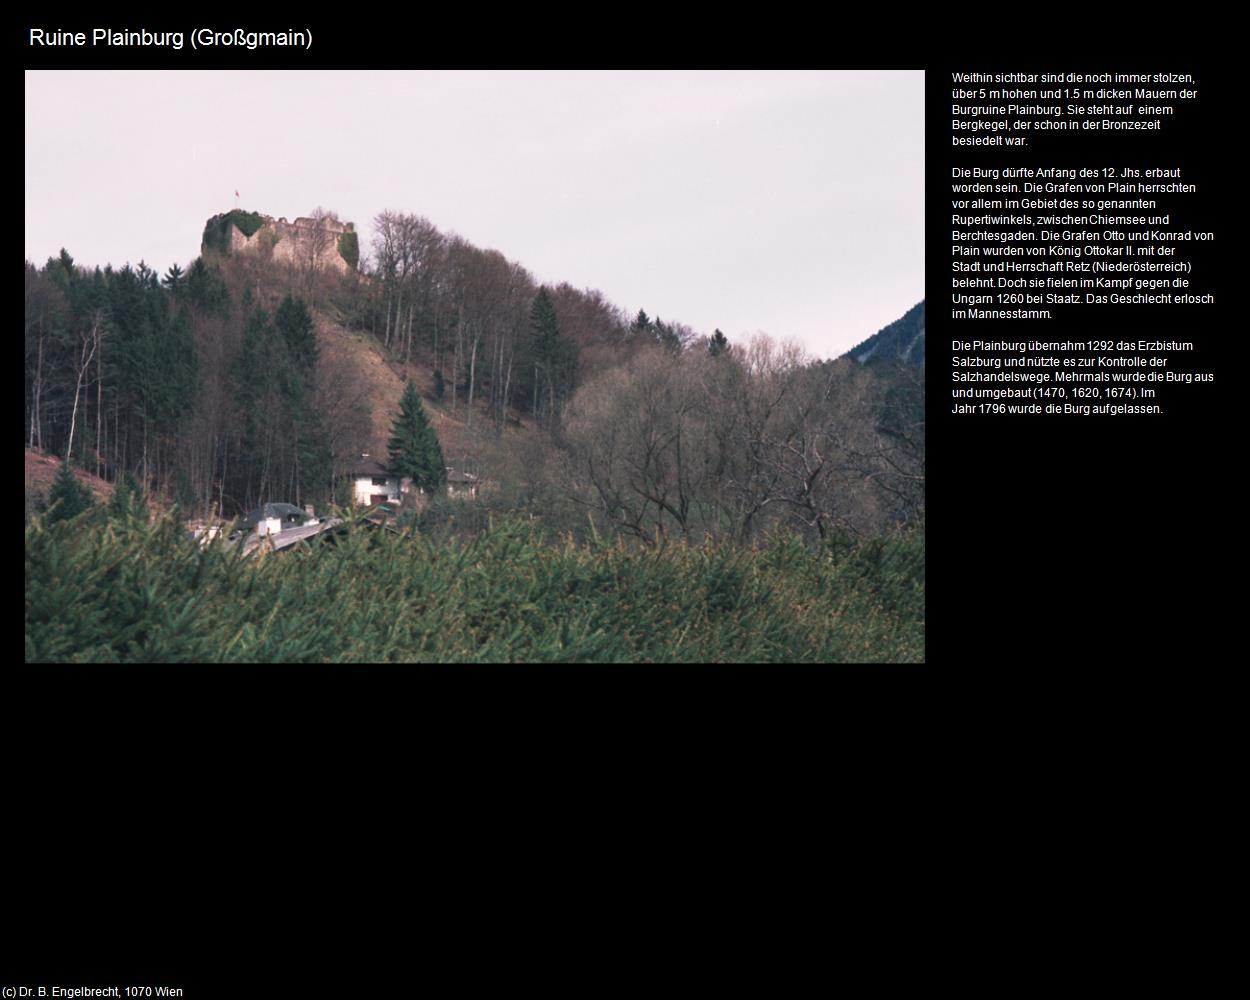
(724, 445)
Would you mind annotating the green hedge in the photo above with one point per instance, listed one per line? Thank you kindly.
(349, 249)
(130, 592)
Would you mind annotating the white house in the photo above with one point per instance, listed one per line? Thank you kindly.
(373, 485)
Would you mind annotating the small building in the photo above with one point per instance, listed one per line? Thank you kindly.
(273, 527)
(271, 518)
(461, 485)
(372, 484)
(276, 541)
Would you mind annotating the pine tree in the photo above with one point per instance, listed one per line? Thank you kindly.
(128, 501)
(68, 497)
(413, 446)
(718, 345)
(667, 336)
(295, 325)
(555, 358)
(206, 289)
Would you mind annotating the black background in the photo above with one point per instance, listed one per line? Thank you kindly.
(1099, 544)
(1100, 539)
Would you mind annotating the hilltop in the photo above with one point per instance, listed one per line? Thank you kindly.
(253, 377)
(322, 241)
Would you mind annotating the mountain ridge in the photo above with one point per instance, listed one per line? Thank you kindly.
(902, 340)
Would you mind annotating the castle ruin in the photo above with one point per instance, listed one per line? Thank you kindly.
(323, 243)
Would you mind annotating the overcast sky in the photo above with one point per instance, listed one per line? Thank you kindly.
(785, 202)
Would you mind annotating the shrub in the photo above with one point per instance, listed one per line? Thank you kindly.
(133, 592)
(67, 498)
(217, 229)
(349, 249)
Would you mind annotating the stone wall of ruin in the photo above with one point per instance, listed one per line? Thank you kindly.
(302, 243)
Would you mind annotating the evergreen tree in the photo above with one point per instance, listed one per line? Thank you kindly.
(128, 500)
(150, 364)
(68, 497)
(184, 494)
(314, 457)
(254, 394)
(296, 376)
(667, 336)
(206, 289)
(718, 345)
(343, 493)
(413, 446)
(294, 323)
(555, 358)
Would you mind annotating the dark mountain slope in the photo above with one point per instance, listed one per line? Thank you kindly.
(902, 340)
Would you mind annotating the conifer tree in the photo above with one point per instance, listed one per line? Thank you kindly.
(667, 336)
(173, 278)
(128, 500)
(295, 325)
(413, 446)
(555, 358)
(718, 344)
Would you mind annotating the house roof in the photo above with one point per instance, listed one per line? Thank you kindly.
(283, 539)
(369, 467)
(280, 510)
(455, 476)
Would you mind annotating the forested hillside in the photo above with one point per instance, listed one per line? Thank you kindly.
(900, 342)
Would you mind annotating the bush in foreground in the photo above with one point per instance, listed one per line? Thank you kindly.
(133, 592)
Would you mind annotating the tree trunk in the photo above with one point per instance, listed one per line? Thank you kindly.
(455, 361)
(551, 390)
(295, 474)
(99, 402)
(472, 375)
(221, 489)
(507, 386)
(84, 365)
(399, 312)
(36, 432)
(408, 345)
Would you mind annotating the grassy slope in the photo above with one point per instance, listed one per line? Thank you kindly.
(41, 470)
(383, 380)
